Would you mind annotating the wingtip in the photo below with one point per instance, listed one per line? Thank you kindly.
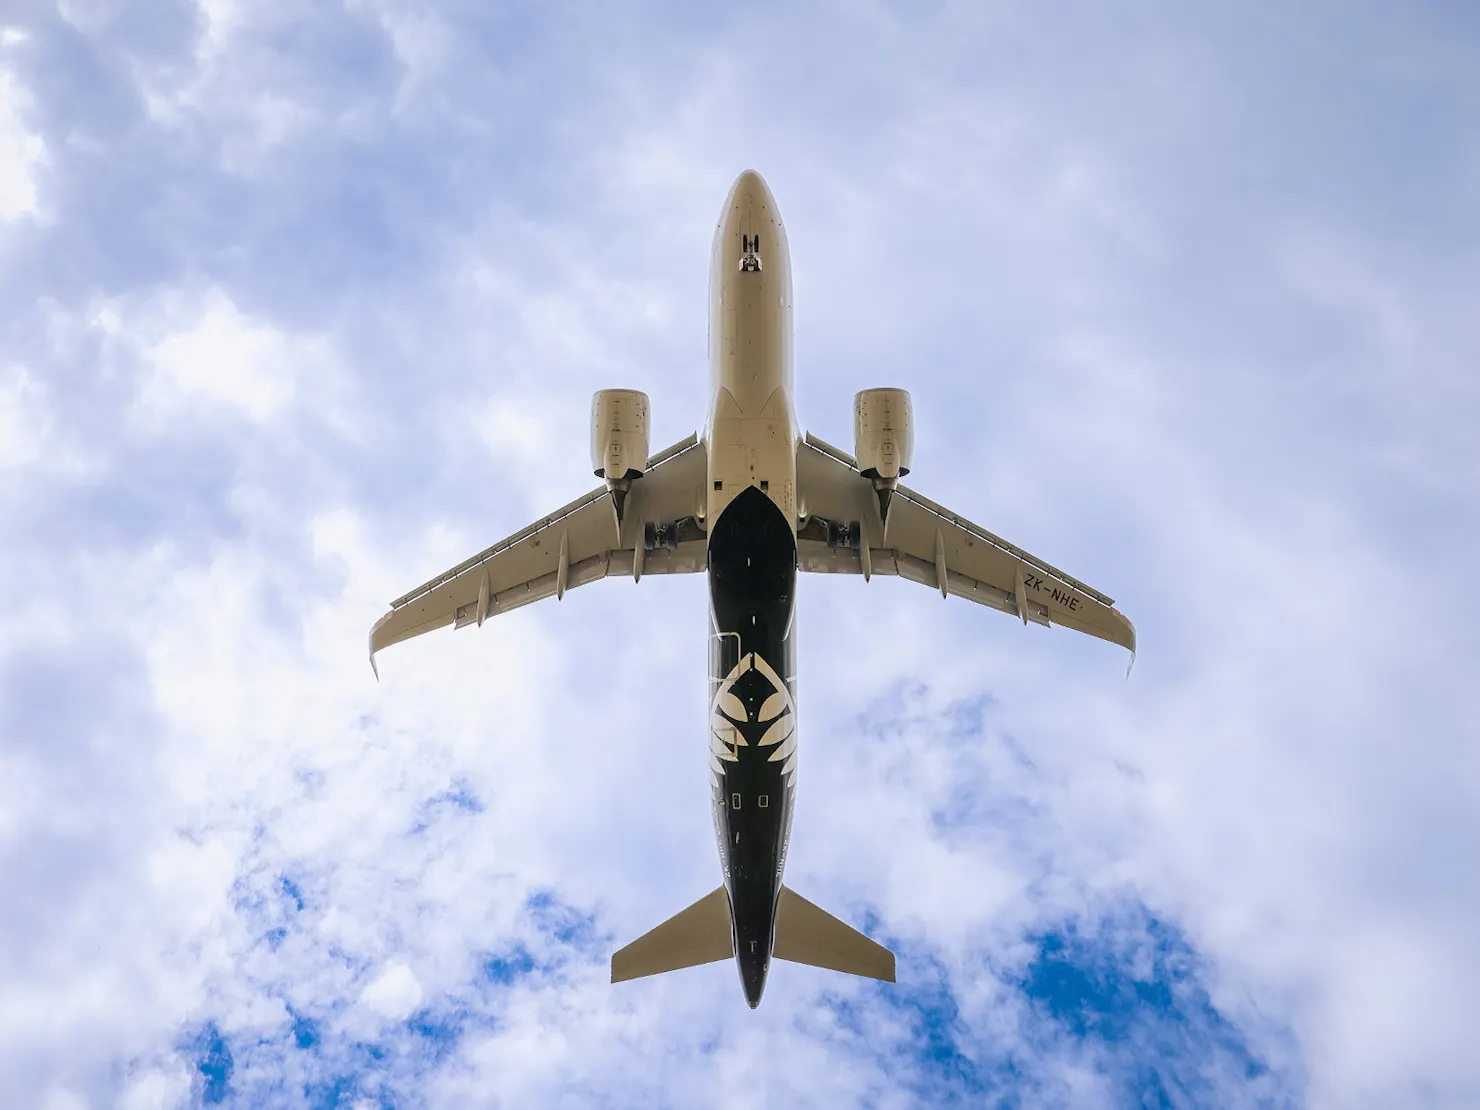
(373, 630)
(373, 645)
(1129, 643)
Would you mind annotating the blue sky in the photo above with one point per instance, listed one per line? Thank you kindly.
(302, 303)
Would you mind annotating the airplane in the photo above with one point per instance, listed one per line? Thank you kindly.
(752, 501)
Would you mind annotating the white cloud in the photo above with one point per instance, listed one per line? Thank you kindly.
(193, 358)
(420, 38)
(25, 419)
(222, 17)
(393, 994)
(59, 1098)
(221, 357)
(161, 1089)
(22, 152)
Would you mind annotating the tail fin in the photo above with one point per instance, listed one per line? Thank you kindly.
(697, 935)
(806, 934)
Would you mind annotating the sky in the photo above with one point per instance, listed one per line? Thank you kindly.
(302, 303)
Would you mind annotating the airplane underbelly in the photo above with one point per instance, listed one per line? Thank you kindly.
(752, 452)
(753, 739)
(752, 431)
(751, 357)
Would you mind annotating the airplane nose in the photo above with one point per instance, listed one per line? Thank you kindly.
(749, 232)
(751, 183)
(750, 195)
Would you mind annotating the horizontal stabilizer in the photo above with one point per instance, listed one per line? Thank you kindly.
(697, 935)
(806, 934)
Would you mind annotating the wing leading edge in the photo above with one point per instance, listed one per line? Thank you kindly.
(572, 546)
(928, 544)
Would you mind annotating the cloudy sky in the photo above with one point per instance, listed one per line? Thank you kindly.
(301, 303)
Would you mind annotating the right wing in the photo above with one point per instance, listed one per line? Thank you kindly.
(934, 547)
(572, 546)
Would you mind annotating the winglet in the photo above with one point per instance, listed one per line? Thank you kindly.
(374, 628)
(562, 566)
(942, 576)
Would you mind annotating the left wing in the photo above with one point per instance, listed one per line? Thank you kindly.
(572, 546)
(919, 540)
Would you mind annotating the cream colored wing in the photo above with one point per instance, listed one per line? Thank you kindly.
(572, 546)
(933, 546)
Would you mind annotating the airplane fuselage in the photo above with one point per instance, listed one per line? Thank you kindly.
(751, 438)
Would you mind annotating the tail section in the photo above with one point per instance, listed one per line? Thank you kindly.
(697, 935)
(806, 934)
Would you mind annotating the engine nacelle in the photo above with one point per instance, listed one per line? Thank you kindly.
(883, 433)
(619, 434)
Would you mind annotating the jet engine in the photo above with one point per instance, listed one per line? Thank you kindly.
(883, 433)
(619, 434)
(883, 441)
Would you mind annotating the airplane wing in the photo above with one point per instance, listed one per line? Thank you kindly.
(572, 546)
(933, 546)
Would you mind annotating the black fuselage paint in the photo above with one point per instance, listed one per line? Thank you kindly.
(752, 592)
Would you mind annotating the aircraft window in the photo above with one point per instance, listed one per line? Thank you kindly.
(765, 485)
(765, 801)
(718, 484)
(734, 801)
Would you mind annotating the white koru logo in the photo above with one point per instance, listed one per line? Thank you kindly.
(727, 714)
